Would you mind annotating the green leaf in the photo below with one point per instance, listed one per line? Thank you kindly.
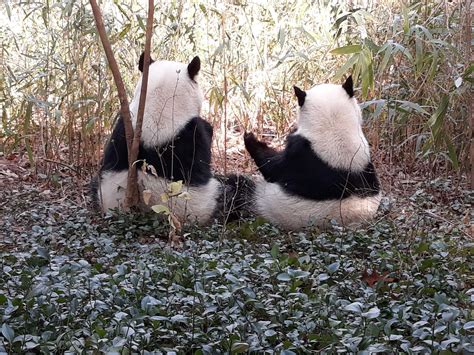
(371, 313)
(44, 15)
(387, 56)
(125, 30)
(437, 119)
(275, 251)
(355, 307)
(453, 156)
(434, 65)
(160, 209)
(176, 187)
(418, 55)
(283, 277)
(406, 22)
(9, 11)
(8, 332)
(347, 65)
(238, 348)
(333, 267)
(469, 325)
(353, 48)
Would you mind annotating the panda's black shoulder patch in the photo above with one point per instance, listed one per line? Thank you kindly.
(186, 157)
(301, 172)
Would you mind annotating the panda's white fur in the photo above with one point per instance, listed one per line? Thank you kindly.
(293, 212)
(332, 123)
(173, 100)
(330, 120)
(199, 208)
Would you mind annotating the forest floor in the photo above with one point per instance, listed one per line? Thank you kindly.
(71, 280)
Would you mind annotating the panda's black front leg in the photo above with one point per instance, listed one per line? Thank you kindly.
(264, 156)
(259, 151)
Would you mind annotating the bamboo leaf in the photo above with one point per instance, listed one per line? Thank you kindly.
(437, 119)
(353, 48)
(387, 56)
(347, 65)
(434, 66)
(452, 154)
(406, 21)
(9, 11)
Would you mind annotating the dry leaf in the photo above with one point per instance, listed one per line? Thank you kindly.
(152, 170)
(146, 196)
(374, 277)
(176, 223)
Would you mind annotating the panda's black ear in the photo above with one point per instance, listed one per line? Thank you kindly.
(349, 86)
(141, 62)
(194, 67)
(300, 94)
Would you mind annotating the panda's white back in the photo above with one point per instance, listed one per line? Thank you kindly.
(173, 98)
(331, 121)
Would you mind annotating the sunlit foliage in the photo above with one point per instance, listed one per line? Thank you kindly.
(409, 61)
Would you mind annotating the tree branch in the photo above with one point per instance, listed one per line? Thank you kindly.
(132, 196)
(124, 107)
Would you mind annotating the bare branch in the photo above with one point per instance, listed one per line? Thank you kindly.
(132, 196)
(133, 139)
(124, 107)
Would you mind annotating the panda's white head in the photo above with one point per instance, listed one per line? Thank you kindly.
(173, 98)
(330, 118)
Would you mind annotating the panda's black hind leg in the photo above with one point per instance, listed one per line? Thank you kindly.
(93, 188)
(236, 198)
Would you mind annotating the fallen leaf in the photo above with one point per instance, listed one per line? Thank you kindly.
(374, 277)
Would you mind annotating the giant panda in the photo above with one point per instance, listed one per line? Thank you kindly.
(325, 172)
(175, 140)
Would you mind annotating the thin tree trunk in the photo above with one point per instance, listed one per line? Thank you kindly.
(132, 197)
(124, 108)
(468, 34)
(133, 140)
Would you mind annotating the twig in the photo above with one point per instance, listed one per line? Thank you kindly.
(62, 164)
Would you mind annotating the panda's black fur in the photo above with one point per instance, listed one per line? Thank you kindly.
(301, 172)
(187, 157)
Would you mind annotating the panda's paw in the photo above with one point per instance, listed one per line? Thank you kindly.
(251, 143)
(248, 136)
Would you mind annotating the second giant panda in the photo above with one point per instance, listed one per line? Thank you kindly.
(175, 140)
(325, 172)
